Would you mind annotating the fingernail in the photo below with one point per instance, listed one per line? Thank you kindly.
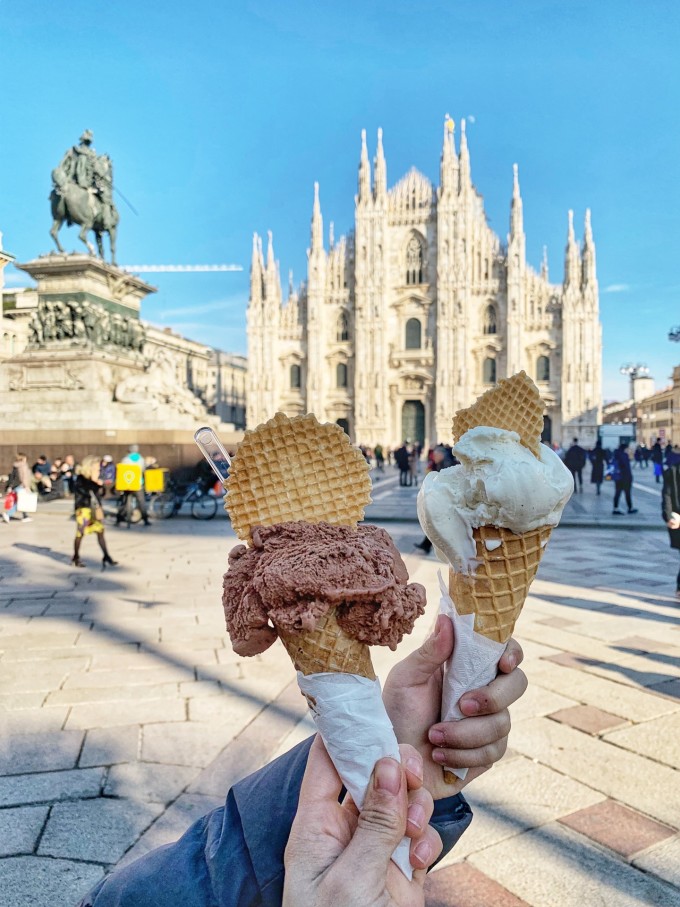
(423, 853)
(416, 816)
(511, 660)
(439, 755)
(415, 765)
(388, 776)
(469, 706)
(437, 737)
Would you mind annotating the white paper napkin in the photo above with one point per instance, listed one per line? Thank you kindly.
(350, 716)
(473, 663)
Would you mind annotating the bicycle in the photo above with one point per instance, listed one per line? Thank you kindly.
(168, 503)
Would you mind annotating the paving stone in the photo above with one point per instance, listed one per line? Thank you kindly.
(670, 688)
(586, 718)
(33, 720)
(108, 746)
(41, 882)
(659, 739)
(150, 781)
(118, 693)
(559, 622)
(23, 753)
(647, 786)
(148, 676)
(99, 831)
(188, 743)
(538, 701)
(461, 885)
(645, 644)
(121, 713)
(551, 867)
(663, 860)
(515, 796)
(46, 787)
(20, 829)
(617, 827)
(609, 695)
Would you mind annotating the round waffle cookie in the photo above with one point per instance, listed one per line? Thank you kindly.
(514, 404)
(296, 469)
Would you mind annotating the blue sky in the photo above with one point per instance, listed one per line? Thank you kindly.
(220, 115)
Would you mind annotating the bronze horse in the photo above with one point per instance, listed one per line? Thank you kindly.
(92, 208)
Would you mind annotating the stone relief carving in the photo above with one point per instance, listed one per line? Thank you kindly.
(157, 385)
(83, 323)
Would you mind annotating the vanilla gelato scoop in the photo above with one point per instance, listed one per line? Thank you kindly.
(498, 482)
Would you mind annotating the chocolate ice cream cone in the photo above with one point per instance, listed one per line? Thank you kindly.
(298, 469)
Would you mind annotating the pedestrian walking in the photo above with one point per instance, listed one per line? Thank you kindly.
(657, 460)
(87, 500)
(623, 479)
(379, 457)
(575, 460)
(19, 480)
(401, 459)
(413, 464)
(670, 510)
(598, 458)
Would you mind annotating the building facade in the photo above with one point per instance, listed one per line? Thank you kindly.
(419, 309)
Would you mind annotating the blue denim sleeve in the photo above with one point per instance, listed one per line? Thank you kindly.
(233, 857)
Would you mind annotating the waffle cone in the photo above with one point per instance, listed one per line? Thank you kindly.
(514, 404)
(495, 593)
(328, 650)
(298, 469)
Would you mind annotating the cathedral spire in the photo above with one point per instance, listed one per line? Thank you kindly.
(271, 263)
(464, 159)
(256, 272)
(364, 172)
(588, 254)
(449, 161)
(571, 257)
(545, 274)
(380, 171)
(317, 222)
(516, 212)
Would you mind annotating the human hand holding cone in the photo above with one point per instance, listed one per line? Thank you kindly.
(494, 557)
(287, 474)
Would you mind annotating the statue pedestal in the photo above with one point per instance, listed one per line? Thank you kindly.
(86, 279)
(93, 378)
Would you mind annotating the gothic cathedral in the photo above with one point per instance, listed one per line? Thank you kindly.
(419, 310)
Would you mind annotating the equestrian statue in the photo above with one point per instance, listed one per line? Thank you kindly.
(83, 194)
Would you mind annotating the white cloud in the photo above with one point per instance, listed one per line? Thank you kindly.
(617, 288)
(219, 305)
(471, 118)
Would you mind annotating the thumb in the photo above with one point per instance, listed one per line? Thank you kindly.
(382, 822)
(421, 664)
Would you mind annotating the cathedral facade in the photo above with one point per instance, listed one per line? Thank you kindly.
(419, 310)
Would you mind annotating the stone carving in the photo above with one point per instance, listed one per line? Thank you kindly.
(83, 194)
(83, 323)
(157, 385)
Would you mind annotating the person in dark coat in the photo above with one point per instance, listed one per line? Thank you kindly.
(670, 510)
(598, 458)
(657, 460)
(575, 460)
(623, 478)
(401, 458)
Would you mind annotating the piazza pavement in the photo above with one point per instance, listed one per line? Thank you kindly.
(125, 715)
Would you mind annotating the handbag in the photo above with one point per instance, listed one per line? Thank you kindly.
(27, 501)
(97, 509)
(10, 501)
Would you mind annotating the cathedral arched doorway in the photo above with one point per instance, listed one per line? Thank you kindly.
(546, 434)
(413, 422)
(344, 425)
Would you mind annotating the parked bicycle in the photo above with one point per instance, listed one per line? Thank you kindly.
(165, 505)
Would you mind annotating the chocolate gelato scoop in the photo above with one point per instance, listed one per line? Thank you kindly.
(296, 572)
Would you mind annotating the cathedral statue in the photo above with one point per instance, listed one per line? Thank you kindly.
(82, 194)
